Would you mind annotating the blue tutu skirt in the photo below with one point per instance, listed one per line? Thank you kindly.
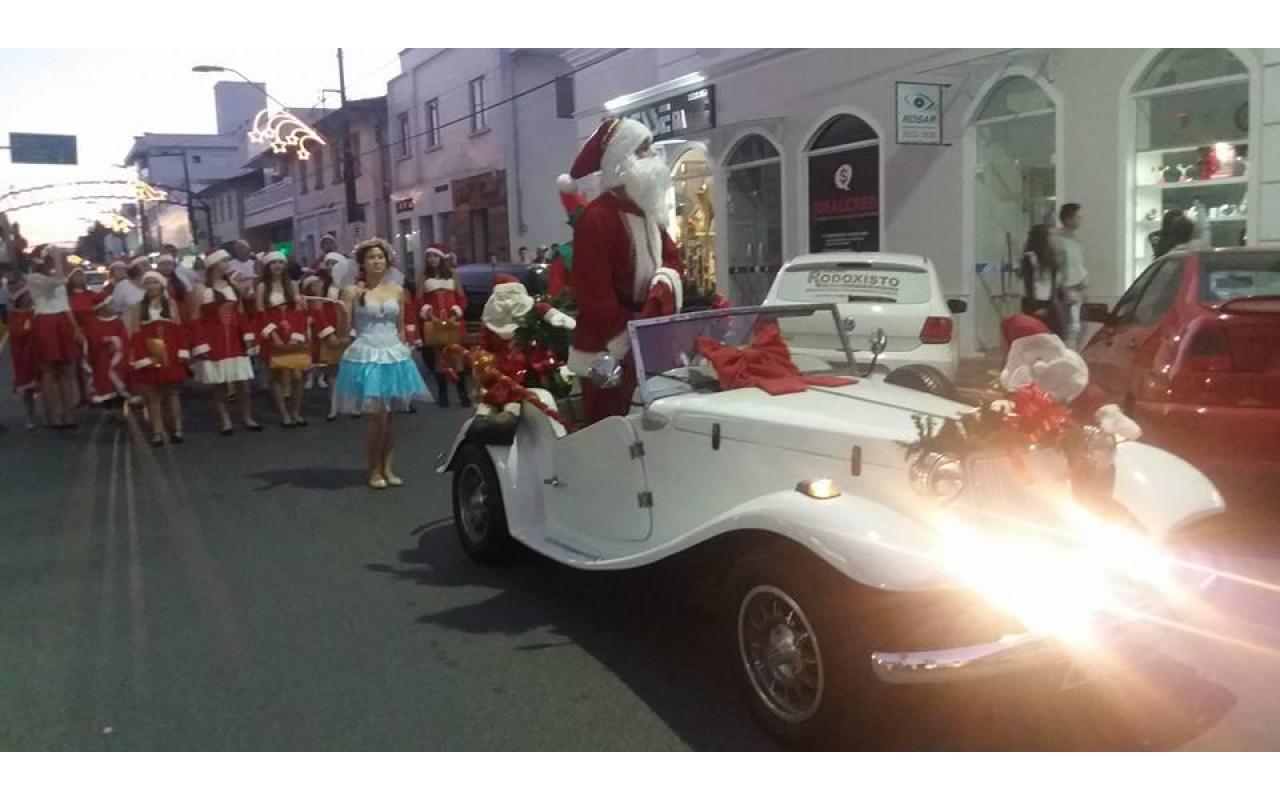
(374, 385)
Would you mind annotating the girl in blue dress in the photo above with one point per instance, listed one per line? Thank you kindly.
(377, 375)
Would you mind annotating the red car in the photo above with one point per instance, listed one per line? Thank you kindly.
(1192, 352)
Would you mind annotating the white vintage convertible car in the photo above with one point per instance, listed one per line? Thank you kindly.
(845, 562)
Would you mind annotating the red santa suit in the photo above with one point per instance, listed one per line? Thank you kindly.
(157, 350)
(26, 372)
(280, 324)
(221, 337)
(625, 266)
(442, 298)
(326, 347)
(107, 357)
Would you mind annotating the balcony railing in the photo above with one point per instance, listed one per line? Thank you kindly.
(264, 202)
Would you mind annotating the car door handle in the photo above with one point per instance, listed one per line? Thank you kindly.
(554, 482)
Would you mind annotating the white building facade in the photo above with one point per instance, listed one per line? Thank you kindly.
(776, 153)
(476, 139)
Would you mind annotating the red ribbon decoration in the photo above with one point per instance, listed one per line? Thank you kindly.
(765, 364)
(1037, 415)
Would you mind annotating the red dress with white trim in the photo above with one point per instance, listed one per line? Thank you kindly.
(83, 303)
(54, 330)
(442, 299)
(324, 324)
(26, 372)
(157, 350)
(221, 338)
(280, 324)
(107, 344)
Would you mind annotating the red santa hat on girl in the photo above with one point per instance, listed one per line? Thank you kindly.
(216, 256)
(608, 150)
(435, 248)
(1037, 355)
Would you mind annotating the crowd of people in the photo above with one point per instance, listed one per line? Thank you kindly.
(228, 324)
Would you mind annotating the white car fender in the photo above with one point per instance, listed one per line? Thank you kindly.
(866, 541)
(1161, 490)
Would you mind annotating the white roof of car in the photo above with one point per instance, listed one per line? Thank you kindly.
(844, 256)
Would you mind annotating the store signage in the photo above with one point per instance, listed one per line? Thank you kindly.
(679, 116)
(919, 113)
(42, 148)
(844, 200)
(404, 205)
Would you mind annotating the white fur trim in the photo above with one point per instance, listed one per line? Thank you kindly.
(483, 409)
(566, 184)
(298, 338)
(269, 329)
(200, 349)
(425, 312)
(646, 249)
(272, 257)
(512, 408)
(670, 277)
(558, 319)
(1114, 421)
(247, 338)
(325, 333)
(457, 311)
(439, 285)
(141, 363)
(184, 354)
(216, 257)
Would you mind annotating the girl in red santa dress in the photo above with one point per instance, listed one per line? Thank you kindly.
(282, 334)
(83, 301)
(329, 331)
(441, 302)
(159, 356)
(26, 372)
(57, 339)
(222, 340)
(107, 355)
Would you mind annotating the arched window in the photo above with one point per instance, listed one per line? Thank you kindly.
(1191, 149)
(1013, 185)
(754, 194)
(844, 186)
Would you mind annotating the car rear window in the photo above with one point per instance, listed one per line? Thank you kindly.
(855, 282)
(1231, 276)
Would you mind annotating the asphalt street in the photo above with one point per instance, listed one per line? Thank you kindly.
(251, 594)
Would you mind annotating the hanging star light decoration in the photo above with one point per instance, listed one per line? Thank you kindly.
(283, 131)
(148, 194)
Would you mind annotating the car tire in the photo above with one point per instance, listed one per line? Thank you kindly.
(923, 378)
(478, 513)
(803, 672)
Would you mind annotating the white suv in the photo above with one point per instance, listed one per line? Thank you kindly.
(893, 292)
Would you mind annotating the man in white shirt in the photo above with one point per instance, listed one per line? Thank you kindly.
(1075, 278)
(242, 269)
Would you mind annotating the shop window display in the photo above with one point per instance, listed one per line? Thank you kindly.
(694, 216)
(1192, 149)
(754, 183)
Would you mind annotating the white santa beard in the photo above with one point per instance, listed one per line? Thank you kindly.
(647, 182)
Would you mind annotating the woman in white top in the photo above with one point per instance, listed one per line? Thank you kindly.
(56, 339)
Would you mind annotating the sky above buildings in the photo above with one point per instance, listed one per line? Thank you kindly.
(106, 97)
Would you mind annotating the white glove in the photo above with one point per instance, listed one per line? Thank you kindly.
(1114, 421)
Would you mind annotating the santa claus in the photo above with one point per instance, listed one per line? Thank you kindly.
(1037, 355)
(625, 265)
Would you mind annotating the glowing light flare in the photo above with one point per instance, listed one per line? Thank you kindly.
(283, 131)
(147, 193)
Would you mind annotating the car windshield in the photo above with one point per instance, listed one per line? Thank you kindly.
(1235, 275)
(854, 282)
(672, 352)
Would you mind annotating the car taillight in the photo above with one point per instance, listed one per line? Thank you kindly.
(1208, 352)
(936, 330)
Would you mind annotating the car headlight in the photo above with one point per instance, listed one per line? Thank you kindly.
(819, 488)
(938, 475)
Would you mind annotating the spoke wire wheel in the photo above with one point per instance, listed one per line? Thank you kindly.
(473, 498)
(780, 654)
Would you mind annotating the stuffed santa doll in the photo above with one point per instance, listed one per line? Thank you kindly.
(501, 365)
(1037, 355)
(625, 266)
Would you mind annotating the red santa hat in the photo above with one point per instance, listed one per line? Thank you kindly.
(140, 261)
(608, 149)
(571, 197)
(166, 258)
(436, 248)
(272, 257)
(154, 275)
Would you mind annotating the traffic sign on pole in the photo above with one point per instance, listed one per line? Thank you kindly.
(42, 148)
